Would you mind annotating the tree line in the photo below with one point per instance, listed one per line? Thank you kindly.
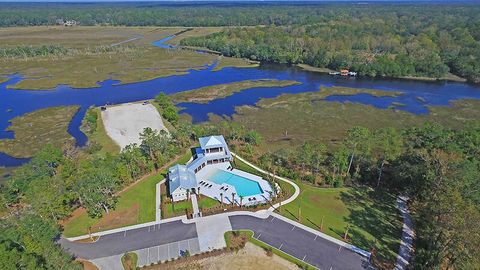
(392, 45)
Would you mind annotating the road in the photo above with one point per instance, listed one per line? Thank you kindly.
(121, 242)
(300, 243)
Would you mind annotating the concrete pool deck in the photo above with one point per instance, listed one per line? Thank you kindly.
(125, 122)
(213, 190)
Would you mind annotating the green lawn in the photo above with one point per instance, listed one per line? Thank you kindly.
(135, 205)
(140, 200)
(129, 261)
(206, 202)
(177, 209)
(371, 216)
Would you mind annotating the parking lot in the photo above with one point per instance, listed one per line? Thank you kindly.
(165, 252)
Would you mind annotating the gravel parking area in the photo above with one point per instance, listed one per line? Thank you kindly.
(125, 122)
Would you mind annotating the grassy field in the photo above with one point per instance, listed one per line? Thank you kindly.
(132, 61)
(209, 93)
(371, 216)
(314, 69)
(224, 62)
(194, 32)
(177, 209)
(307, 117)
(135, 205)
(129, 261)
(206, 202)
(101, 137)
(33, 130)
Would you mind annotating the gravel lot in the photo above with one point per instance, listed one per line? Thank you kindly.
(125, 122)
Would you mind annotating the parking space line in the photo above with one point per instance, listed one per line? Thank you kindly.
(272, 219)
(124, 233)
(304, 257)
(259, 236)
(281, 245)
(293, 227)
(315, 238)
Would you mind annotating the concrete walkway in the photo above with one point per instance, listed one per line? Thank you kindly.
(196, 212)
(210, 231)
(406, 244)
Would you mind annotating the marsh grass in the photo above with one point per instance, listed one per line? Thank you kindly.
(308, 117)
(209, 93)
(33, 130)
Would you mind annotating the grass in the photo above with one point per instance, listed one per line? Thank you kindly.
(135, 205)
(314, 69)
(33, 130)
(249, 235)
(135, 61)
(224, 62)
(372, 218)
(129, 261)
(206, 202)
(177, 208)
(101, 137)
(307, 117)
(3, 79)
(209, 93)
(194, 32)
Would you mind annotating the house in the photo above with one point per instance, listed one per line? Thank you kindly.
(210, 173)
(182, 180)
(344, 72)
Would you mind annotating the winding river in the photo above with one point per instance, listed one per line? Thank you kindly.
(416, 94)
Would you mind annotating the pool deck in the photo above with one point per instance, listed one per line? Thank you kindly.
(215, 190)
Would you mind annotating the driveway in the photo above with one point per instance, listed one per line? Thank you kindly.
(300, 243)
(121, 242)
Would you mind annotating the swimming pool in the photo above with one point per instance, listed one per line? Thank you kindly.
(245, 187)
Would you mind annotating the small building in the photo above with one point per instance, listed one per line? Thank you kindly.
(182, 181)
(344, 72)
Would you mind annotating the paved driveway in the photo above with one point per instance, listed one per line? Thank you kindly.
(300, 243)
(121, 242)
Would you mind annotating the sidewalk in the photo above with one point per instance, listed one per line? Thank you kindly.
(406, 244)
(196, 212)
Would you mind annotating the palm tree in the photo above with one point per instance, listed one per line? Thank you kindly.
(241, 200)
(233, 198)
(221, 198)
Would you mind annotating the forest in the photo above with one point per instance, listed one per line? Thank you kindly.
(395, 40)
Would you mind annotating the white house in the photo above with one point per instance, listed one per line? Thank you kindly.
(211, 174)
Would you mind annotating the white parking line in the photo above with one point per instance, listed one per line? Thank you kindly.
(304, 257)
(281, 245)
(125, 234)
(315, 238)
(272, 219)
(259, 236)
(293, 228)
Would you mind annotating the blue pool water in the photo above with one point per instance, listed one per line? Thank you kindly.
(416, 95)
(245, 187)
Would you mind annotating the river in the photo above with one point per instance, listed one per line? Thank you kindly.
(416, 94)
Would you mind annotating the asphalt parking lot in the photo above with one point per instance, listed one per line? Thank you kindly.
(164, 252)
(121, 242)
(299, 243)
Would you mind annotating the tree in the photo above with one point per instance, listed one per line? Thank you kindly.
(388, 146)
(358, 139)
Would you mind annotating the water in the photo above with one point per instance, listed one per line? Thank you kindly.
(244, 187)
(416, 95)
